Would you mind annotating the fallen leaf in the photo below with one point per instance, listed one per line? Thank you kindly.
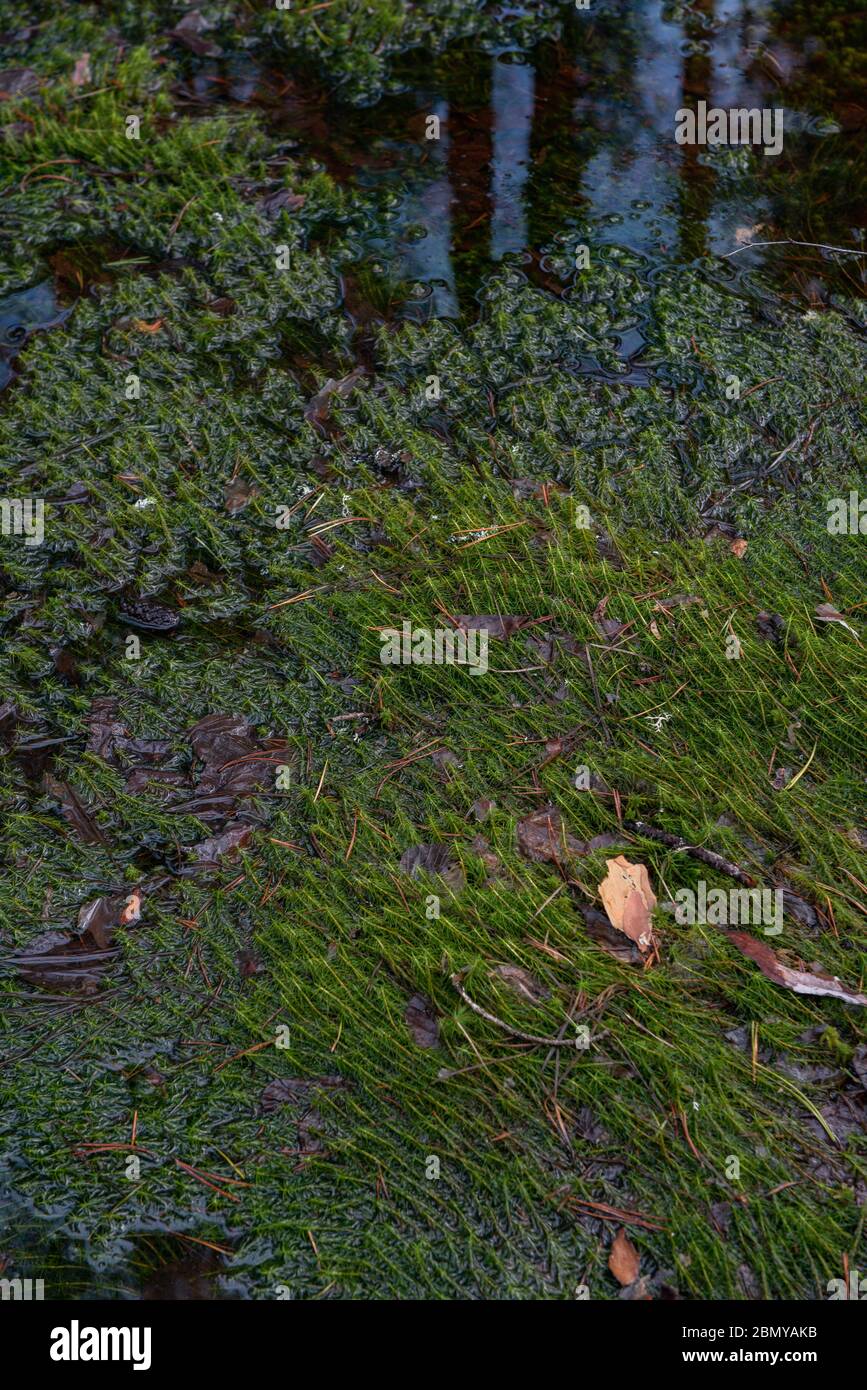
(827, 613)
(522, 983)
(292, 1090)
(318, 409)
(600, 930)
(81, 71)
(222, 307)
(212, 850)
(17, 82)
(623, 1260)
(188, 31)
(797, 980)
(770, 626)
(739, 548)
(744, 235)
(143, 326)
(609, 628)
(283, 198)
(74, 812)
(482, 808)
(238, 493)
(497, 625)
(542, 839)
(148, 615)
(436, 860)
(665, 605)
(421, 1021)
(629, 900)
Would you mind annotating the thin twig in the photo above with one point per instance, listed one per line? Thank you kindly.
(707, 856)
(507, 1028)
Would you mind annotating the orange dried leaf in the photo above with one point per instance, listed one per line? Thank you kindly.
(623, 1261)
(629, 900)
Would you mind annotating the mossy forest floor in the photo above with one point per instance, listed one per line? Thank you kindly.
(268, 1085)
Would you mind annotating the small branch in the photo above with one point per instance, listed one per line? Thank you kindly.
(707, 856)
(786, 241)
(515, 1032)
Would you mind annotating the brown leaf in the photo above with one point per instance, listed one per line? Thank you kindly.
(238, 494)
(421, 1021)
(223, 307)
(542, 839)
(522, 983)
(142, 326)
(827, 613)
(629, 900)
(623, 1260)
(230, 842)
(318, 409)
(272, 203)
(498, 625)
(75, 813)
(738, 548)
(665, 605)
(436, 860)
(81, 71)
(293, 1090)
(609, 628)
(188, 31)
(799, 981)
(17, 82)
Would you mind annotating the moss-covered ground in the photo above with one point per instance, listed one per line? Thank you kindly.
(170, 422)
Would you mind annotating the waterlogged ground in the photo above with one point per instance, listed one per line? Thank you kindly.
(286, 372)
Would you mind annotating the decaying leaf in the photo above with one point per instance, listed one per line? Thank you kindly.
(436, 860)
(293, 1090)
(623, 1260)
(211, 851)
(238, 493)
(421, 1020)
(17, 82)
(738, 548)
(827, 613)
(75, 813)
(608, 628)
(541, 837)
(497, 625)
(75, 962)
(275, 202)
(522, 983)
(629, 900)
(189, 30)
(798, 980)
(81, 71)
(318, 409)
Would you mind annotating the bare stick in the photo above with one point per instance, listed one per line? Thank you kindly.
(498, 1022)
(708, 856)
